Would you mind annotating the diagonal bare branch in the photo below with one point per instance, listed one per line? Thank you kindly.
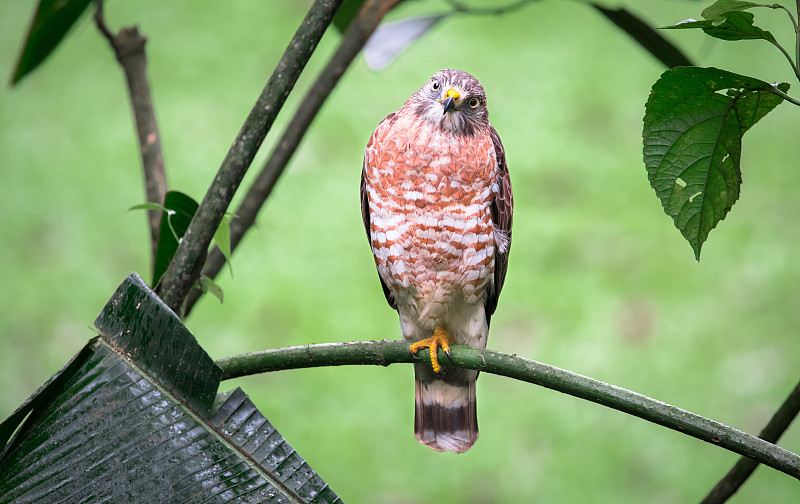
(772, 432)
(185, 268)
(354, 39)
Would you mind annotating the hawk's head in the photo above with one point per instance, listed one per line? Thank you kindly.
(452, 100)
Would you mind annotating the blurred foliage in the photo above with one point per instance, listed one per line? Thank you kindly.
(51, 22)
(598, 283)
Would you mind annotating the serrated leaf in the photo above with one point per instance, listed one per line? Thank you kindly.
(135, 417)
(664, 50)
(174, 222)
(732, 25)
(693, 126)
(51, 22)
(391, 39)
(346, 13)
(720, 7)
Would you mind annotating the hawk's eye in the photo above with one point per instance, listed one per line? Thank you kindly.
(435, 86)
(473, 102)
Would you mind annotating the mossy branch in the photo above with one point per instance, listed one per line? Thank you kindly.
(357, 34)
(388, 352)
(186, 264)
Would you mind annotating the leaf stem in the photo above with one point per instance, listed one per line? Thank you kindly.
(788, 57)
(779, 6)
(796, 63)
(796, 31)
(777, 425)
(186, 264)
(775, 90)
(388, 352)
(356, 35)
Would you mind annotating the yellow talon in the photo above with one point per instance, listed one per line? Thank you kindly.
(440, 338)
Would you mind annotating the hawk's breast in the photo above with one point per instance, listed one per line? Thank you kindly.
(431, 229)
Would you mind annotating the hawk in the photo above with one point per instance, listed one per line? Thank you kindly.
(436, 202)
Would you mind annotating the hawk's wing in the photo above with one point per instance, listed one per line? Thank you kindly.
(502, 212)
(365, 203)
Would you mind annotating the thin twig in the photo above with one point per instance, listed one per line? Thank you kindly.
(742, 470)
(794, 65)
(354, 39)
(185, 267)
(389, 352)
(128, 46)
(782, 7)
(796, 32)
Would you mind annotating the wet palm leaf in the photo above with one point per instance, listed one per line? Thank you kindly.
(135, 417)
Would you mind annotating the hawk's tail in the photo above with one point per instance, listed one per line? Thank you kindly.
(445, 417)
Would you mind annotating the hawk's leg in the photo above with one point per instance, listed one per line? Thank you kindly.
(440, 338)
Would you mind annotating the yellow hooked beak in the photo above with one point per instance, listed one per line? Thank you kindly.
(450, 98)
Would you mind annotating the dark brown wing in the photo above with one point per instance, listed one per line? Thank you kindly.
(502, 213)
(365, 209)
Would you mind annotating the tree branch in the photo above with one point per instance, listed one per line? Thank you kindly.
(388, 352)
(355, 37)
(186, 265)
(128, 46)
(742, 470)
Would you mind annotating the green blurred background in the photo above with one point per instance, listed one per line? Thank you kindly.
(600, 282)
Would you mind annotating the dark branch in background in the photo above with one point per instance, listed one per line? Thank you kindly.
(388, 352)
(463, 8)
(777, 425)
(184, 270)
(128, 46)
(646, 36)
(354, 39)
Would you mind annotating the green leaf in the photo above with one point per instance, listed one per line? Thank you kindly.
(180, 209)
(51, 22)
(664, 50)
(222, 239)
(720, 7)
(135, 417)
(346, 13)
(149, 206)
(208, 285)
(731, 25)
(693, 126)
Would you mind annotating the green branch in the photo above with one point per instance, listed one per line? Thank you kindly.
(388, 352)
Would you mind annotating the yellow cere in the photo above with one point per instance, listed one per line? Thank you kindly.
(452, 93)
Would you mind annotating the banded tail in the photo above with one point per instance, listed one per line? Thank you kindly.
(445, 416)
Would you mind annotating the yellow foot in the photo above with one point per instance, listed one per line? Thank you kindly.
(440, 338)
